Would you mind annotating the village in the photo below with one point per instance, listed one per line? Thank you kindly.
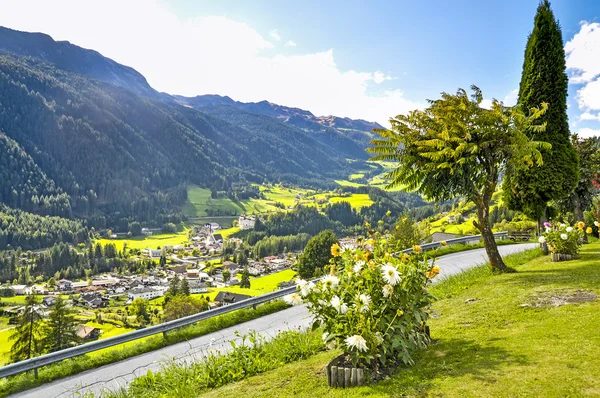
(108, 297)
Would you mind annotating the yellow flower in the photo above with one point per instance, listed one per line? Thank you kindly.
(581, 224)
(405, 257)
(433, 272)
(443, 243)
(416, 248)
(588, 230)
(370, 242)
(388, 255)
(388, 213)
(371, 264)
(335, 250)
(399, 313)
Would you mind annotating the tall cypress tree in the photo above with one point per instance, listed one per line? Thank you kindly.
(544, 80)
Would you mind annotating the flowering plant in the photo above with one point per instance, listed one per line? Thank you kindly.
(372, 305)
(563, 239)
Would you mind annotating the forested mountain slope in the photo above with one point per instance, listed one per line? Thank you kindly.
(106, 146)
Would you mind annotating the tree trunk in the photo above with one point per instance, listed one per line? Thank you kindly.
(578, 213)
(489, 241)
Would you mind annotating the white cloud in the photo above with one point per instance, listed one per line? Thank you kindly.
(275, 34)
(583, 53)
(587, 132)
(208, 55)
(486, 104)
(589, 116)
(290, 43)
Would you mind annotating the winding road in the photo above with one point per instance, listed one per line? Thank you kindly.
(119, 374)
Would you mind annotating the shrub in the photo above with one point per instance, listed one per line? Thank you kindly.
(563, 239)
(372, 305)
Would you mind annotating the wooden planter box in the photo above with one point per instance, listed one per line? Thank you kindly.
(556, 257)
(343, 377)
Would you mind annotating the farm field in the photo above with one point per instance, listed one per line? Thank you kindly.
(152, 242)
(200, 204)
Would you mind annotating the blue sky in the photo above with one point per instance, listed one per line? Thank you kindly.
(351, 58)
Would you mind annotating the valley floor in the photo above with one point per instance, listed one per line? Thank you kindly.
(494, 336)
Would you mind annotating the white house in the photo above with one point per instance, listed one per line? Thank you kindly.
(152, 253)
(21, 289)
(146, 231)
(144, 293)
(246, 222)
(197, 287)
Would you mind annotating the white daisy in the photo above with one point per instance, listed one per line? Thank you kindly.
(357, 342)
(569, 229)
(596, 223)
(564, 236)
(339, 305)
(388, 290)
(358, 266)
(364, 302)
(293, 299)
(548, 229)
(390, 274)
(541, 239)
(331, 282)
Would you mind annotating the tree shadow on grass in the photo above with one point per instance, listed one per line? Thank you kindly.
(452, 358)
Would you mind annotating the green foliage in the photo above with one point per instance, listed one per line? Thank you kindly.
(169, 228)
(457, 148)
(544, 81)
(405, 233)
(185, 287)
(27, 335)
(174, 286)
(374, 306)
(317, 253)
(60, 329)
(563, 239)
(135, 228)
(29, 231)
(141, 309)
(254, 354)
(226, 275)
(184, 305)
(245, 281)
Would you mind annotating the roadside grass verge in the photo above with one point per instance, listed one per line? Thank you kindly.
(493, 337)
(457, 248)
(79, 364)
(250, 356)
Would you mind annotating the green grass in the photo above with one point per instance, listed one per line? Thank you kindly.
(258, 286)
(356, 176)
(199, 203)
(491, 346)
(226, 233)
(152, 242)
(346, 183)
(5, 345)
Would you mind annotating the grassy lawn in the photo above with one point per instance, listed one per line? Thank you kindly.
(152, 242)
(489, 341)
(356, 200)
(258, 286)
(225, 233)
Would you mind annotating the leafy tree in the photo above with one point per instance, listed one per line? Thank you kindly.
(170, 228)
(226, 275)
(245, 282)
(185, 287)
(27, 335)
(135, 228)
(405, 233)
(316, 254)
(544, 80)
(457, 148)
(581, 198)
(181, 306)
(140, 309)
(242, 258)
(173, 289)
(61, 327)
(51, 283)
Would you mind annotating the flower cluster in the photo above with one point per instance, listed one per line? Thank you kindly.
(562, 238)
(372, 305)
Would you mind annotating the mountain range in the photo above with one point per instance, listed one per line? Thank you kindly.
(82, 135)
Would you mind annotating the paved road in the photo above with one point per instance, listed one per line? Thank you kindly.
(120, 373)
